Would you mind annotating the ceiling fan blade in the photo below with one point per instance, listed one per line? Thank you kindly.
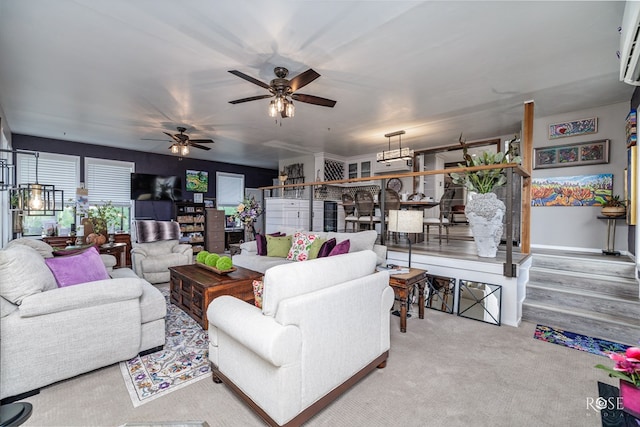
(310, 99)
(249, 78)
(153, 139)
(303, 79)
(173, 137)
(201, 141)
(202, 147)
(252, 98)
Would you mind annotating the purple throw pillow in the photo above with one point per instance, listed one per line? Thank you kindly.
(261, 244)
(81, 268)
(326, 248)
(277, 234)
(341, 248)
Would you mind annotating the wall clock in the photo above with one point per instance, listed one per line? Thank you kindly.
(395, 184)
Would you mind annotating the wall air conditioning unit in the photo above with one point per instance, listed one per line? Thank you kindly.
(395, 166)
(629, 44)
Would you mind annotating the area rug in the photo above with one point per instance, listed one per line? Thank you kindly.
(183, 360)
(577, 341)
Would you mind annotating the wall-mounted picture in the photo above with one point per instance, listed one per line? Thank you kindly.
(197, 181)
(631, 127)
(581, 190)
(209, 202)
(576, 127)
(577, 154)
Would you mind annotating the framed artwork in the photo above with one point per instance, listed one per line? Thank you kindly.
(197, 181)
(631, 124)
(576, 127)
(197, 197)
(581, 190)
(209, 202)
(578, 154)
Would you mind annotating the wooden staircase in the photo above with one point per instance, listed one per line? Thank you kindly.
(590, 294)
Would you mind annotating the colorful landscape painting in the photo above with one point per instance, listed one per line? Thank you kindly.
(197, 181)
(581, 190)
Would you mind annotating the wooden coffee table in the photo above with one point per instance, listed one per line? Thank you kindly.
(193, 288)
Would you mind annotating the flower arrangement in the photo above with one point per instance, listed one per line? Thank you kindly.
(484, 181)
(248, 211)
(102, 216)
(627, 366)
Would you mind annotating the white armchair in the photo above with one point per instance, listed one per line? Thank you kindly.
(324, 325)
(157, 249)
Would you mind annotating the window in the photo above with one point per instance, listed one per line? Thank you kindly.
(110, 181)
(60, 170)
(229, 191)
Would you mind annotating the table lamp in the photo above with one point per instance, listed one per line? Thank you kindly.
(406, 221)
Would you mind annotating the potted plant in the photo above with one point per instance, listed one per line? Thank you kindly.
(627, 370)
(101, 218)
(247, 212)
(613, 206)
(484, 210)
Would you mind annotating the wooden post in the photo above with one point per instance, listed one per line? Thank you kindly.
(526, 152)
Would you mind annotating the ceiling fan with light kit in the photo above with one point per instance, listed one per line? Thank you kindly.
(284, 91)
(182, 142)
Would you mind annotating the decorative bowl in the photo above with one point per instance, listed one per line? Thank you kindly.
(215, 270)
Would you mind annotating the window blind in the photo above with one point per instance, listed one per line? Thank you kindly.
(229, 188)
(59, 170)
(108, 180)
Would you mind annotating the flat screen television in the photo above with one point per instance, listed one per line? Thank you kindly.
(155, 187)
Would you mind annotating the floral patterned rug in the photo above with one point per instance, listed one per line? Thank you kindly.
(183, 360)
(579, 342)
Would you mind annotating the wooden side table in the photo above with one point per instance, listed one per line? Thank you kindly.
(402, 285)
(117, 250)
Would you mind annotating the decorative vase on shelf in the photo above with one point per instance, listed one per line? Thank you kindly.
(630, 397)
(249, 232)
(484, 213)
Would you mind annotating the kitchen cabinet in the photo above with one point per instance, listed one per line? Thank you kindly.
(292, 213)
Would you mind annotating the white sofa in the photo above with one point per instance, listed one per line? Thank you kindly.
(324, 325)
(51, 333)
(363, 240)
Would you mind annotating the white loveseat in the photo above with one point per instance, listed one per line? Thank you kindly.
(51, 333)
(360, 241)
(324, 324)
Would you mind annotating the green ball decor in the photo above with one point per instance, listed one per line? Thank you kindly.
(211, 260)
(224, 263)
(201, 256)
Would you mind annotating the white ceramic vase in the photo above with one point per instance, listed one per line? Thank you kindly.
(485, 213)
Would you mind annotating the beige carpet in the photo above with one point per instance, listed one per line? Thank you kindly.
(445, 371)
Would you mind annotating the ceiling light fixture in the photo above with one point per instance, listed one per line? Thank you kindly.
(395, 155)
(281, 105)
(33, 199)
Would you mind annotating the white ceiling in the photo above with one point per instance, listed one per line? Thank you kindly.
(112, 72)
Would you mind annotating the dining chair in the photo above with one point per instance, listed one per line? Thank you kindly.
(366, 209)
(391, 202)
(442, 221)
(350, 216)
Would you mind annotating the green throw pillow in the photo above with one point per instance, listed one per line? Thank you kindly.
(315, 248)
(278, 246)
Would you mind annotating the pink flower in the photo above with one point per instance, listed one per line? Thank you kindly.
(302, 257)
(633, 354)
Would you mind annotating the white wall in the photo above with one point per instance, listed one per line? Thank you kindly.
(577, 226)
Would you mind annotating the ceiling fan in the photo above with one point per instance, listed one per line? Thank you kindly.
(182, 142)
(283, 89)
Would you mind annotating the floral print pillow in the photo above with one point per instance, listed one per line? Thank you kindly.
(300, 245)
(257, 293)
